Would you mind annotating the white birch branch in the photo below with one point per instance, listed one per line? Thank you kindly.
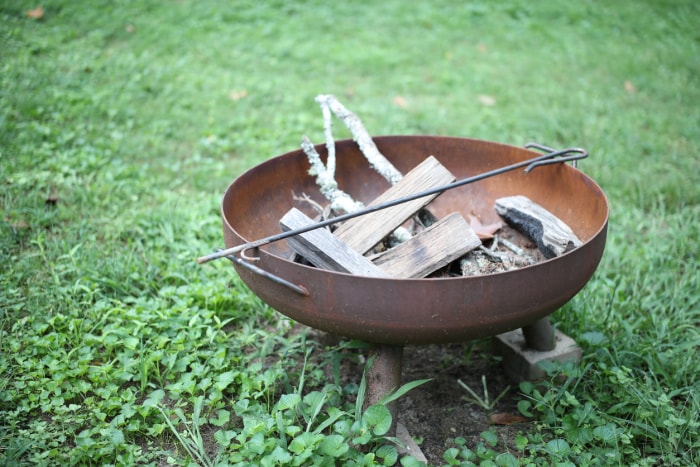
(339, 200)
(330, 143)
(375, 158)
(325, 175)
(326, 182)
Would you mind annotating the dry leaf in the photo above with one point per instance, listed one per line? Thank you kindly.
(36, 13)
(484, 232)
(486, 100)
(130, 28)
(482, 48)
(20, 224)
(237, 95)
(630, 88)
(400, 101)
(506, 419)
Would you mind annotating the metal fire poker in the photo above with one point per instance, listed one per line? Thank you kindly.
(551, 157)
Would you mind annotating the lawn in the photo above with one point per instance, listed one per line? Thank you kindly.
(121, 123)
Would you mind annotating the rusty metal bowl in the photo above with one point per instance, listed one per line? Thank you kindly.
(418, 311)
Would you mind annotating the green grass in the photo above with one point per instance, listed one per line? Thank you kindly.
(122, 122)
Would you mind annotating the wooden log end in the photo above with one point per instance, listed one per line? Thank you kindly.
(324, 250)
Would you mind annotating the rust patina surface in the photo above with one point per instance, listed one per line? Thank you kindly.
(418, 311)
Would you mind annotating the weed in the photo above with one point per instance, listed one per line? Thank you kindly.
(483, 402)
(300, 429)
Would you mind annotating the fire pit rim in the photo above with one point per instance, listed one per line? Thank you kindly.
(417, 311)
(263, 251)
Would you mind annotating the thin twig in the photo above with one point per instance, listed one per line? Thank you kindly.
(492, 254)
(510, 245)
(304, 198)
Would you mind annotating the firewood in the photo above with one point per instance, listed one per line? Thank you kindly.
(324, 250)
(431, 249)
(551, 235)
(364, 232)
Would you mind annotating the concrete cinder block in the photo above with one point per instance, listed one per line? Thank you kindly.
(523, 364)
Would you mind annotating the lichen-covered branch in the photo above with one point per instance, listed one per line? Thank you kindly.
(325, 179)
(375, 158)
(326, 182)
(330, 142)
(325, 174)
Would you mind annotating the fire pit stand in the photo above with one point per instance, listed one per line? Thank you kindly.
(384, 374)
(539, 335)
(388, 312)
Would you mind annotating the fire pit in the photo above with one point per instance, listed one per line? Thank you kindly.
(397, 312)
(418, 311)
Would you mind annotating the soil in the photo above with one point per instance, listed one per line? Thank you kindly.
(441, 410)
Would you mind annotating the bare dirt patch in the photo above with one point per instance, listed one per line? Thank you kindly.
(440, 411)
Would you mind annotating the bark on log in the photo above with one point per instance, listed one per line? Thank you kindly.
(551, 235)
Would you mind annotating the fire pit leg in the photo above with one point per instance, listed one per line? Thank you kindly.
(384, 376)
(539, 335)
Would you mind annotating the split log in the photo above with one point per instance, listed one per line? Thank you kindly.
(324, 250)
(364, 232)
(431, 249)
(551, 235)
